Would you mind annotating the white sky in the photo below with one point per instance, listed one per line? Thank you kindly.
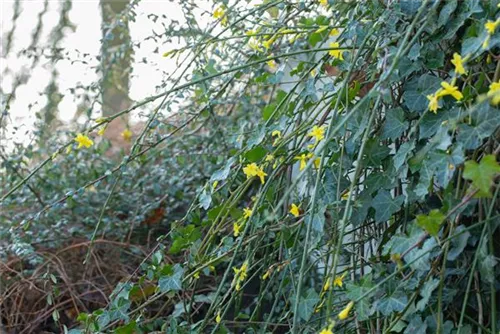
(86, 16)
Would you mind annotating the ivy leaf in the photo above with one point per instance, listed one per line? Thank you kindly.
(401, 155)
(416, 326)
(432, 222)
(392, 303)
(385, 205)
(222, 173)
(482, 175)
(445, 13)
(485, 120)
(360, 208)
(426, 293)
(458, 244)
(395, 123)
(416, 91)
(375, 152)
(205, 199)
(355, 291)
(307, 304)
(333, 183)
(172, 282)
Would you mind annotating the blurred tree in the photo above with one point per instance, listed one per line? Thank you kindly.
(116, 55)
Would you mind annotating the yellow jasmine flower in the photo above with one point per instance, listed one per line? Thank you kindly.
(326, 331)
(336, 53)
(328, 282)
(345, 312)
(486, 42)
(240, 275)
(83, 140)
(214, 185)
(433, 102)
(302, 160)
(267, 44)
(252, 170)
(254, 44)
(491, 26)
(321, 29)
(101, 130)
(334, 32)
(261, 175)
(294, 210)
(345, 196)
(494, 93)
(196, 275)
(272, 64)
(318, 308)
(266, 274)
(169, 53)
(459, 65)
(218, 318)
(316, 162)
(247, 213)
(236, 229)
(127, 134)
(269, 158)
(276, 133)
(338, 281)
(450, 90)
(220, 13)
(317, 132)
(324, 3)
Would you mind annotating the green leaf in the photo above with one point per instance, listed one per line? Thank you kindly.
(426, 293)
(385, 206)
(172, 282)
(487, 263)
(410, 7)
(307, 304)
(482, 175)
(416, 326)
(222, 173)
(205, 199)
(354, 291)
(416, 91)
(333, 184)
(446, 12)
(432, 222)
(268, 110)
(256, 154)
(127, 329)
(485, 120)
(458, 243)
(393, 303)
(395, 123)
(375, 152)
(401, 155)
